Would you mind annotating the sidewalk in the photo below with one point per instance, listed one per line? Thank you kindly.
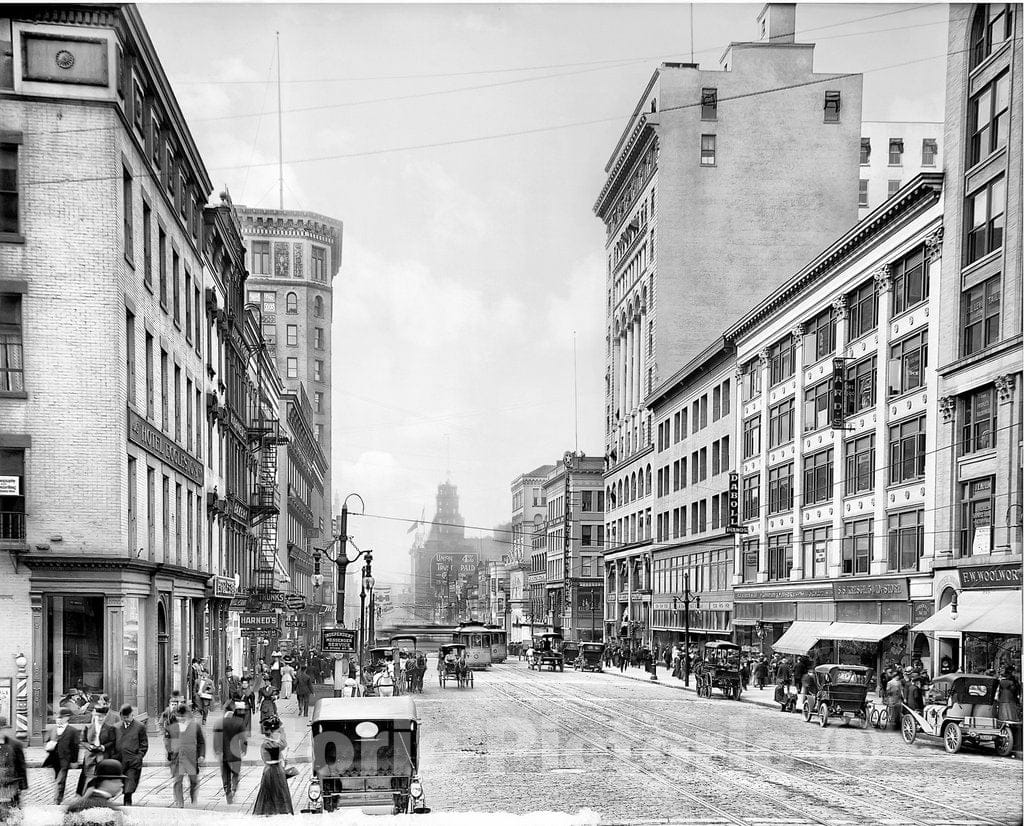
(296, 731)
(762, 697)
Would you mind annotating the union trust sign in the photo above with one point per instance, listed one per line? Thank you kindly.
(155, 443)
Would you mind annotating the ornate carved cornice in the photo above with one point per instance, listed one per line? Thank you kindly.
(883, 278)
(1004, 386)
(947, 407)
(839, 307)
(933, 244)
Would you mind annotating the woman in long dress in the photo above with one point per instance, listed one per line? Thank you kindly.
(274, 796)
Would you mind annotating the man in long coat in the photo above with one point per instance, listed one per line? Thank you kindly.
(186, 749)
(230, 741)
(98, 740)
(130, 746)
(62, 745)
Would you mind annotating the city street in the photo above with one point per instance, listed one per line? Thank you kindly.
(523, 741)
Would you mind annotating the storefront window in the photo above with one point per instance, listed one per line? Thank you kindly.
(74, 652)
(976, 500)
(130, 642)
(995, 651)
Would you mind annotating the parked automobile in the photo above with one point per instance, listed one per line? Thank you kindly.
(960, 708)
(839, 691)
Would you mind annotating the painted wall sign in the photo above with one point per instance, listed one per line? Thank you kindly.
(154, 442)
(990, 576)
(783, 594)
(872, 589)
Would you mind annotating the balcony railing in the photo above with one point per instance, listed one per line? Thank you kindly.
(12, 527)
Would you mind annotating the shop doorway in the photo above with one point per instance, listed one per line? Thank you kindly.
(162, 638)
(948, 654)
(923, 652)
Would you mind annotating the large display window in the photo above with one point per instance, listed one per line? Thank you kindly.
(74, 654)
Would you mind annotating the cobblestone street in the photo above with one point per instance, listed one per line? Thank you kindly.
(523, 741)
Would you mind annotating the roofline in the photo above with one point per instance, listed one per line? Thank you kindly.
(720, 346)
(921, 192)
(629, 124)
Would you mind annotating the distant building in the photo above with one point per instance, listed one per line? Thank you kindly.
(444, 567)
(528, 512)
(891, 154)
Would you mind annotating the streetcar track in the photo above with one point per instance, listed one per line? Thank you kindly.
(975, 818)
(802, 816)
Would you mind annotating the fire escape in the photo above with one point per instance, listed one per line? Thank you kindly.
(264, 500)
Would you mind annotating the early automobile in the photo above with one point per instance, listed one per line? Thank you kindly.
(960, 708)
(570, 651)
(838, 691)
(365, 755)
(720, 669)
(452, 664)
(590, 657)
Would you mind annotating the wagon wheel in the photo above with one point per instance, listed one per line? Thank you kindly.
(952, 737)
(1004, 742)
(737, 690)
(908, 729)
(823, 715)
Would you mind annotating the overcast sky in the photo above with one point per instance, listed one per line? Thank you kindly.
(469, 259)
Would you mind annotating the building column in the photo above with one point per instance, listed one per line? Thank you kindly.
(880, 555)
(620, 372)
(834, 558)
(933, 425)
(737, 440)
(798, 451)
(37, 658)
(762, 521)
(644, 326)
(638, 335)
(1007, 518)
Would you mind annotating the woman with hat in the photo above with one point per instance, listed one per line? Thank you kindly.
(274, 797)
(103, 786)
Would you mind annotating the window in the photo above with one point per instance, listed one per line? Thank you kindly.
(780, 424)
(703, 463)
(266, 299)
(716, 404)
(269, 332)
(704, 410)
(175, 285)
(862, 375)
(709, 103)
(818, 477)
(150, 402)
(991, 27)
(726, 458)
(318, 256)
(155, 141)
(684, 415)
(862, 195)
(816, 542)
(977, 499)
(985, 219)
(752, 379)
(170, 175)
(318, 401)
(292, 368)
(182, 194)
(979, 420)
(781, 360)
(165, 417)
(865, 151)
(894, 187)
(292, 335)
(726, 396)
(895, 151)
(858, 539)
(177, 403)
(832, 105)
(929, 151)
(318, 370)
(12, 504)
(12, 368)
(9, 198)
(907, 362)
(863, 310)
(751, 554)
(261, 258)
(751, 497)
(291, 303)
(707, 150)
(860, 464)
(129, 215)
(318, 338)
(129, 349)
(147, 244)
(695, 467)
(178, 522)
(318, 307)
(988, 119)
(980, 316)
(188, 414)
(818, 406)
(318, 432)
(780, 488)
(909, 282)
(907, 451)
(780, 556)
(188, 305)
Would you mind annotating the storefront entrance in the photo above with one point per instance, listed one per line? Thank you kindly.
(74, 651)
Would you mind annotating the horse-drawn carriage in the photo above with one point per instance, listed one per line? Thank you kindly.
(452, 664)
(720, 668)
(590, 657)
(411, 663)
(547, 652)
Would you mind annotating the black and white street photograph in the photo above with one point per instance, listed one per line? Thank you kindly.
(511, 414)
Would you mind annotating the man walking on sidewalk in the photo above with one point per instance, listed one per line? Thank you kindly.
(130, 746)
(62, 745)
(230, 741)
(303, 688)
(186, 748)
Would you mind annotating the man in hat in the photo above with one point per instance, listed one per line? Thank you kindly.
(130, 746)
(104, 785)
(230, 741)
(98, 740)
(62, 745)
(186, 749)
(233, 683)
(13, 772)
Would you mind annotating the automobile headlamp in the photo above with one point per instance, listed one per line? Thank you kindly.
(314, 790)
(416, 789)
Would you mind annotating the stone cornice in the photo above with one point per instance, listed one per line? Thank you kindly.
(646, 122)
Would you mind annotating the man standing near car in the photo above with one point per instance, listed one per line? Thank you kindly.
(130, 746)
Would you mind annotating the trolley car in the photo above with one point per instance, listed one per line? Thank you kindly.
(477, 640)
(499, 644)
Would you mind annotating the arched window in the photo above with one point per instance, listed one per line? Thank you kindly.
(318, 307)
(621, 501)
(648, 480)
(632, 492)
(291, 303)
(991, 27)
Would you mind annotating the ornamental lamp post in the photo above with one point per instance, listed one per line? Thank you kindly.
(364, 623)
(687, 596)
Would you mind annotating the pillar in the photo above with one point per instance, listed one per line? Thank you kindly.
(798, 453)
(933, 421)
(834, 560)
(762, 520)
(879, 555)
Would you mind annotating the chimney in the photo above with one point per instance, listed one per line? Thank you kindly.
(777, 23)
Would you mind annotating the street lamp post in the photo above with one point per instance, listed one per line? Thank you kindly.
(364, 624)
(687, 595)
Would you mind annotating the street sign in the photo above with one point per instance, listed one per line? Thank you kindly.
(295, 602)
(295, 623)
(260, 620)
(740, 529)
(338, 641)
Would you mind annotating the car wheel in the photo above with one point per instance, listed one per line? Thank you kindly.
(909, 729)
(823, 715)
(808, 711)
(1004, 742)
(952, 737)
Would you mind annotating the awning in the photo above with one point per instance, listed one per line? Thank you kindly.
(800, 637)
(860, 631)
(980, 612)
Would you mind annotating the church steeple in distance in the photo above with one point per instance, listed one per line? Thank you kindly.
(448, 522)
